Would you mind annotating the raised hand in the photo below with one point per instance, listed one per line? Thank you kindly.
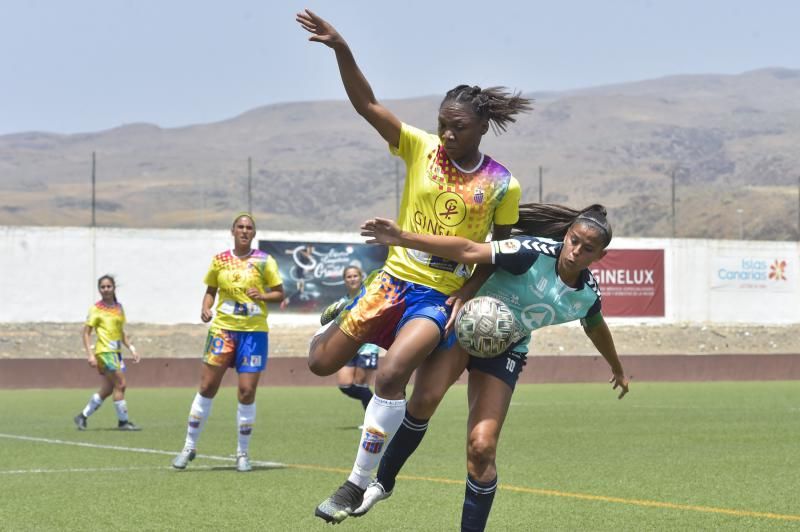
(620, 381)
(321, 31)
(382, 231)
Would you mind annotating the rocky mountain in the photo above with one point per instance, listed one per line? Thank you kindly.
(729, 143)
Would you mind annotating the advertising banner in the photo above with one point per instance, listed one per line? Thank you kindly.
(761, 272)
(312, 271)
(631, 282)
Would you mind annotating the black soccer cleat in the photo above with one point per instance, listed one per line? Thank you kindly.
(127, 425)
(341, 504)
(80, 421)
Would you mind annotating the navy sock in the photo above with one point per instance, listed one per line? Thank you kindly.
(403, 445)
(478, 498)
(356, 391)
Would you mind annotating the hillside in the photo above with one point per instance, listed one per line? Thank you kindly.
(730, 141)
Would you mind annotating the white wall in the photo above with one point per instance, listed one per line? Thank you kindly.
(50, 274)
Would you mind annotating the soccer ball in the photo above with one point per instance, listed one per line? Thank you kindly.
(486, 327)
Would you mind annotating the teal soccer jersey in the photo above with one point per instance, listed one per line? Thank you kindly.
(527, 281)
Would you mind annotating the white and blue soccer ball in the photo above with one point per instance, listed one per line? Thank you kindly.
(486, 327)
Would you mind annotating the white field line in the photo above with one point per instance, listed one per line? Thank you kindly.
(270, 465)
(89, 470)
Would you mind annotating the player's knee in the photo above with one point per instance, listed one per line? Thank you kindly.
(481, 451)
(319, 365)
(247, 395)
(208, 390)
(423, 402)
(390, 384)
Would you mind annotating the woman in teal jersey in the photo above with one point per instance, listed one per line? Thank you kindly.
(543, 282)
(355, 377)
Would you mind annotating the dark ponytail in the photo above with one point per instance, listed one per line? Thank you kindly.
(495, 104)
(553, 221)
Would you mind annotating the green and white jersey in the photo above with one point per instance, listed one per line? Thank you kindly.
(527, 281)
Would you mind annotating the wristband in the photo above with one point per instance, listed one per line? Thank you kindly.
(132, 348)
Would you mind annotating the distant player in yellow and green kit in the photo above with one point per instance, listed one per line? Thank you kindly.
(451, 188)
(242, 280)
(107, 319)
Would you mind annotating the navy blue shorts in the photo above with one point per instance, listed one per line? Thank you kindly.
(366, 358)
(505, 367)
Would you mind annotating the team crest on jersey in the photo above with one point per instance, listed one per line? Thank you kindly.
(509, 246)
(373, 440)
(450, 209)
(537, 315)
(477, 197)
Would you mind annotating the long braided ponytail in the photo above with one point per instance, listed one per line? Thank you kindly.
(496, 104)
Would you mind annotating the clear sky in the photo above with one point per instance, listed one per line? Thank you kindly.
(87, 65)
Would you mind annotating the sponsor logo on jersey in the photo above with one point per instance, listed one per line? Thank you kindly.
(477, 197)
(541, 286)
(450, 209)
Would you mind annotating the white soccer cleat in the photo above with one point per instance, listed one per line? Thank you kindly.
(243, 464)
(183, 458)
(372, 496)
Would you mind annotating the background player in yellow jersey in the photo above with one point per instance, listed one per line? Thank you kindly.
(245, 280)
(451, 188)
(107, 319)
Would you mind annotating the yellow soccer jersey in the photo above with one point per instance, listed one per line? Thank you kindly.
(232, 276)
(107, 322)
(441, 199)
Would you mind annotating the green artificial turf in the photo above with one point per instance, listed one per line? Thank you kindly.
(670, 456)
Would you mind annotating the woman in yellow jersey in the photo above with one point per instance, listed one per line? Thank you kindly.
(245, 280)
(451, 188)
(107, 319)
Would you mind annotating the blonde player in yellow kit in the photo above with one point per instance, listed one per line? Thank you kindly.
(107, 319)
(245, 279)
(451, 188)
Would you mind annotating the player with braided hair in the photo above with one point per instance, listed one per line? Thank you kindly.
(451, 188)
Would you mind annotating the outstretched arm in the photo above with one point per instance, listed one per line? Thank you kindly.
(479, 276)
(356, 85)
(602, 340)
(384, 231)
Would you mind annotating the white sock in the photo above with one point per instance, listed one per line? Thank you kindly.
(122, 410)
(93, 404)
(246, 414)
(381, 421)
(201, 409)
